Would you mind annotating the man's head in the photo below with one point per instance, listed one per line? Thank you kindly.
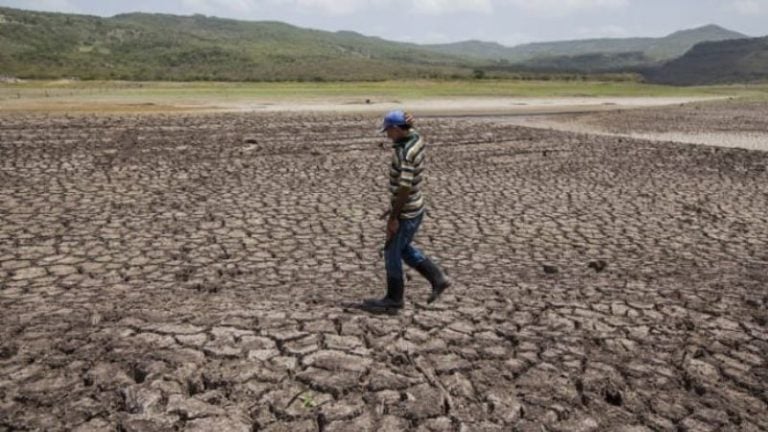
(397, 125)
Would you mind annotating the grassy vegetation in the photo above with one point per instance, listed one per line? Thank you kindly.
(409, 89)
(156, 47)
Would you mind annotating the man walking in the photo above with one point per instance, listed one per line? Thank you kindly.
(406, 213)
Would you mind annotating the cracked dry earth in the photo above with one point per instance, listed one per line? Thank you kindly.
(729, 116)
(195, 273)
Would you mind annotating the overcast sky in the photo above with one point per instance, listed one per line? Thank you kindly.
(435, 21)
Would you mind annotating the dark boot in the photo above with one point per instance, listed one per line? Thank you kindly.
(435, 276)
(393, 299)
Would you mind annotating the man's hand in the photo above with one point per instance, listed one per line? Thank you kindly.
(409, 119)
(393, 224)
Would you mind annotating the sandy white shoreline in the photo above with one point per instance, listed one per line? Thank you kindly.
(469, 105)
(423, 106)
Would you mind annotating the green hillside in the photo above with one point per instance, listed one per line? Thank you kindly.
(475, 49)
(744, 60)
(167, 47)
(656, 49)
(156, 47)
(597, 63)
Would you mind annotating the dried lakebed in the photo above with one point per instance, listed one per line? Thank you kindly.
(196, 273)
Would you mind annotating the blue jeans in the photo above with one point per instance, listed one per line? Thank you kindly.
(400, 248)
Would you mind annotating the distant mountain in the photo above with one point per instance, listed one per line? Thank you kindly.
(743, 60)
(656, 49)
(142, 46)
(679, 43)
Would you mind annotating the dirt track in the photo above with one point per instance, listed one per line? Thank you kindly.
(193, 273)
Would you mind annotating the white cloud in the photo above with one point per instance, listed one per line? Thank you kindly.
(565, 7)
(216, 6)
(607, 31)
(749, 7)
(49, 5)
(345, 7)
(332, 7)
(437, 7)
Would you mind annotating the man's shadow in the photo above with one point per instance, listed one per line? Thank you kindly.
(361, 307)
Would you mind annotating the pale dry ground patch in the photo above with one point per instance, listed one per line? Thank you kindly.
(470, 105)
(425, 97)
(723, 123)
(424, 106)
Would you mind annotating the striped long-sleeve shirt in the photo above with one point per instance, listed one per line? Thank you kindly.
(406, 171)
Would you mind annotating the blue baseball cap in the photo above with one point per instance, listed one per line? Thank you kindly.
(393, 118)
